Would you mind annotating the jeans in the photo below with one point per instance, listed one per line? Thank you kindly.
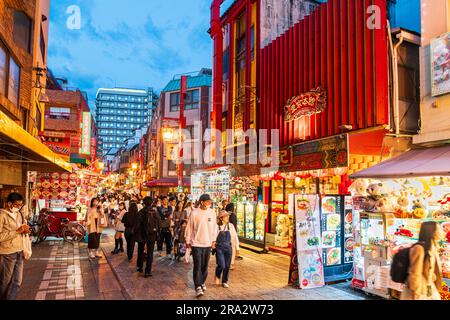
(165, 236)
(201, 261)
(11, 273)
(129, 237)
(150, 247)
(224, 253)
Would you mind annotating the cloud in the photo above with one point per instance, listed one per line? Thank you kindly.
(138, 44)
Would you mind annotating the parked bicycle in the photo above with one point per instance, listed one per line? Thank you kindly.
(47, 225)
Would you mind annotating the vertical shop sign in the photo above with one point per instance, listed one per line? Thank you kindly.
(86, 134)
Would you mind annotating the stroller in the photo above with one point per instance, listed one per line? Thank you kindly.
(179, 241)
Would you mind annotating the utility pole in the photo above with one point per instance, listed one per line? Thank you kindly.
(183, 87)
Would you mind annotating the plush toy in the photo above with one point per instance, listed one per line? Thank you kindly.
(359, 188)
(383, 205)
(446, 228)
(419, 211)
(375, 194)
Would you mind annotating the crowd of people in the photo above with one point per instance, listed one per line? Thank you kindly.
(178, 225)
(186, 229)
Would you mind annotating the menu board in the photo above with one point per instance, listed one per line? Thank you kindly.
(331, 231)
(56, 187)
(349, 239)
(308, 243)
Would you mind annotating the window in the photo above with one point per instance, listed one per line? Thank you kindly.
(22, 31)
(2, 71)
(174, 101)
(42, 45)
(59, 113)
(190, 102)
(14, 82)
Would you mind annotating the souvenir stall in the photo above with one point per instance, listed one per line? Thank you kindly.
(250, 211)
(391, 201)
(215, 182)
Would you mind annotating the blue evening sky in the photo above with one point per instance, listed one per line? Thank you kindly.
(144, 43)
(133, 43)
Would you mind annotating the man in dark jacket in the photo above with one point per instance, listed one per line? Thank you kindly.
(165, 214)
(146, 232)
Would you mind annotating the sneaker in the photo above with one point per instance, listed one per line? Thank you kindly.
(218, 281)
(225, 285)
(199, 292)
(204, 287)
(140, 270)
(239, 258)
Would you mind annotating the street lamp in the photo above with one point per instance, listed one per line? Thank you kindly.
(168, 134)
(134, 166)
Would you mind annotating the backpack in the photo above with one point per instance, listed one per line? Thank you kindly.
(400, 265)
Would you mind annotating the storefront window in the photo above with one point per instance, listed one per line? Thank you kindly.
(14, 82)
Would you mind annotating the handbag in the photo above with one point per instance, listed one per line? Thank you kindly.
(103, 222)
(26, 246)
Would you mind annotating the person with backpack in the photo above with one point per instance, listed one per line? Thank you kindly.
(130, 220)
(419, 267)
(165, 235)
(224, 250)
(146, 232)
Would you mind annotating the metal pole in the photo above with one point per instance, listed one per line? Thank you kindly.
(183, 87)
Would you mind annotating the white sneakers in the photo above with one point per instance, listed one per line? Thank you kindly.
(199, 292)
(225, 285)
(204, 287)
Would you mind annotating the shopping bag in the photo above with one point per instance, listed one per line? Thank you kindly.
(26, 246)
(187, 255)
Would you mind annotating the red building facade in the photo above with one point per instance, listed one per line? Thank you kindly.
(335, 49)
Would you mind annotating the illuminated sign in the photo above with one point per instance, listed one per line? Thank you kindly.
(86, 134)
(306, 104)
(440, 65)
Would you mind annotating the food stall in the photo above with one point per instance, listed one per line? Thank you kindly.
(391, 201)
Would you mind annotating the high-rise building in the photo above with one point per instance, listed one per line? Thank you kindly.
(119, 111)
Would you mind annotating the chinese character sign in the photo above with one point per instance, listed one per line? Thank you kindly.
(86, 134)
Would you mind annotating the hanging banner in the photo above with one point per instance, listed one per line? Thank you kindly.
(308, 241)
(86, 134)
(440, 65)
(306, 104)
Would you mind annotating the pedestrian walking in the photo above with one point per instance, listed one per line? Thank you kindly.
(13, 227)
(146, 233)
(425, 269)
(95, 221)
(233, 220)
(120, 229)
(224, 250)
(201, 233)
(165, 235)
(129, 220)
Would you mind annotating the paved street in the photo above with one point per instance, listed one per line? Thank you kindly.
(60, 271)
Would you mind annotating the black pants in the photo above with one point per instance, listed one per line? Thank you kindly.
(201, 261)
(94, 240)
(129, 236)
(150, 243)
(165, 236)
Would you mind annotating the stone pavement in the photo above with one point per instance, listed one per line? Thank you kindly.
(59, 270)
(256, 277)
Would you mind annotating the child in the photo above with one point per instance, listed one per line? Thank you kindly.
(224, 251)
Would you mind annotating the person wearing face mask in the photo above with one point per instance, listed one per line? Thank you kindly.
(200, 237)
(120, 229)
(95, 221)
(12, 226)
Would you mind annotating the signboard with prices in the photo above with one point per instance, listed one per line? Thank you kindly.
(440, 65)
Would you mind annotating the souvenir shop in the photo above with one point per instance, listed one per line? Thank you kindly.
(316, 173)
(391, 201)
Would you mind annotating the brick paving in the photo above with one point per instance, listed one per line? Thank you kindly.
(62, 271)
(256, 277)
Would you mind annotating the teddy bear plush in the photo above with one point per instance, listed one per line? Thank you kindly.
(359, 188)
(418, 208)
(375, 193)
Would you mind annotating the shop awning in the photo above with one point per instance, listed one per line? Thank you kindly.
(421, 162)
(167, 182)
(17, 145)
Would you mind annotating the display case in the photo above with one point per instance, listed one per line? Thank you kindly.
(240, 213)
(251, 221)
